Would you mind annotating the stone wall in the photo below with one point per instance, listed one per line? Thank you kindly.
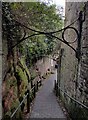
(42, 65)
(74, 78)
(69, 61)
(83, 73)
(0, 63)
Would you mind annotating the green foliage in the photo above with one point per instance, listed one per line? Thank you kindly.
(39, 16)
(22, 61)
(23, 78)
(36, 15)
(22, 74)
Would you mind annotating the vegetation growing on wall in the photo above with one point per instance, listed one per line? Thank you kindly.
(41, 17)
(35, 15)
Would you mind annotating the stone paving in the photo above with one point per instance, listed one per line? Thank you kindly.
(45, 104)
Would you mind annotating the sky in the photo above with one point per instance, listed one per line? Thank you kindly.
(59, 2)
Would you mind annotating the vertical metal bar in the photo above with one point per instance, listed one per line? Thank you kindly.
(78, 53)
(40, 82)
(34, 90)
(56, 89)
(79, 37)
(37, 85)
(59, 71)
(31, 83)
(28, 101)
(54, 84)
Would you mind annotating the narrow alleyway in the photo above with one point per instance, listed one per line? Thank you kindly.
(45, 104)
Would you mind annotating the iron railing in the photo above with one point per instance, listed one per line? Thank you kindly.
(78, 32)
(33, 90)
(58, 89)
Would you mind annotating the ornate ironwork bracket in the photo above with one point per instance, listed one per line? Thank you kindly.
(51, 34)
(79, 35)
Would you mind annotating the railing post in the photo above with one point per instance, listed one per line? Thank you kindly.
(54, 84)
(31, 83)
(40, 82)
(28, 101)
(22, 106)
(37, 85)
(56, 89)
(34, 90)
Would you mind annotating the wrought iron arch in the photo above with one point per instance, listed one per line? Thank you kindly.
(51, 34)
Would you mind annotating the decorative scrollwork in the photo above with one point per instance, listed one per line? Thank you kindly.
(76, 31)
(51, 34)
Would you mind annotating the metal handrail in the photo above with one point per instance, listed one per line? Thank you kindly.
(73, 99)
(25, 96)
(19, 106)
(32, 88)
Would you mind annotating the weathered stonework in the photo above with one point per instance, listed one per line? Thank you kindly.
(83, 76)
(0, 62)
(69, 61)
(74, 76)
